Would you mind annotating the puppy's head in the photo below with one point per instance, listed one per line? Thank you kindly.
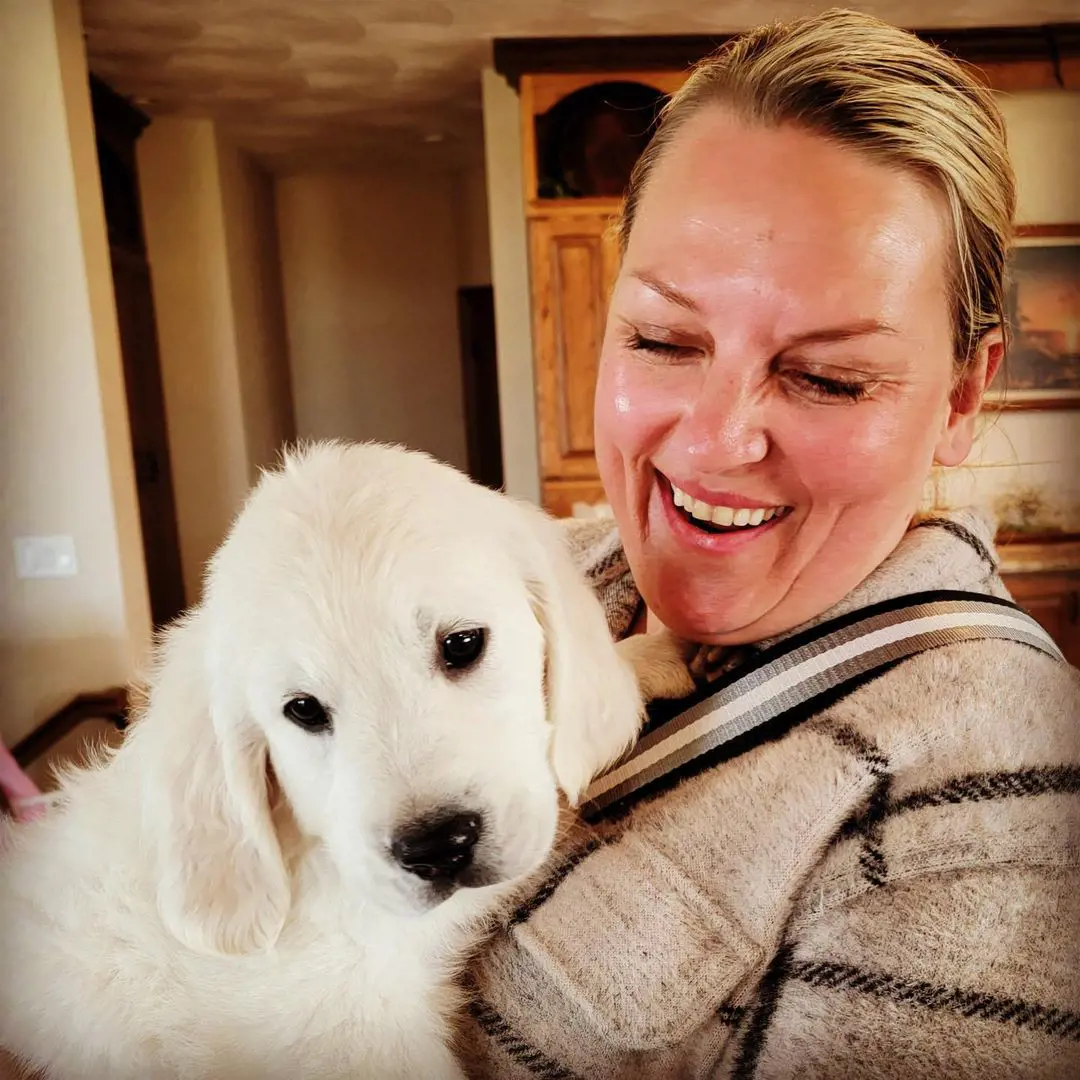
(418, 665)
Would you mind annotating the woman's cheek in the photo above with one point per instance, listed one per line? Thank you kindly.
(855, 452)
(637, 405)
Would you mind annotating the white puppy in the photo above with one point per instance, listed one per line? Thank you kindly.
(350, 755)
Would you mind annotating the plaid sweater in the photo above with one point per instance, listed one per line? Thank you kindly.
(891, 888)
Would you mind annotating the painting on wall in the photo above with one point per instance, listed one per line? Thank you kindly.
(1042, 367)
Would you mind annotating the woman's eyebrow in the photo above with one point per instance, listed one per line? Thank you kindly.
(826, 335)
(861, 328)
(668, 292)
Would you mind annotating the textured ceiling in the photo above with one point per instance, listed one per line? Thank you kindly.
(304, 82)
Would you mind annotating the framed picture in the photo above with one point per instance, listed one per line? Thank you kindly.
(1042, 366)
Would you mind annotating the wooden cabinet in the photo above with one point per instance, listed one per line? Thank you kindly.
(560, 496)
(574, 265)
(582, 134)
(1054, 600)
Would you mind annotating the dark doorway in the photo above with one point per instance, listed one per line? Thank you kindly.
(476, 321)
(118, 125)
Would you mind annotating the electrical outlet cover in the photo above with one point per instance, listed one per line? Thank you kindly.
(45, 557)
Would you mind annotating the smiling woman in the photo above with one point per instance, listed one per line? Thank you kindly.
(807, 315)
(774, 345)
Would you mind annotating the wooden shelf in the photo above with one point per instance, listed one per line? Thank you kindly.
(1039, 556)
(584, 207)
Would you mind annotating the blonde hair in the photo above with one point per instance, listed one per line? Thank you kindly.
(883, 91)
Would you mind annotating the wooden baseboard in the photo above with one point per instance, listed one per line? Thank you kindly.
(109, 705)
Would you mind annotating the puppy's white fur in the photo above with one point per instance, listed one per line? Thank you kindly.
(218, 898)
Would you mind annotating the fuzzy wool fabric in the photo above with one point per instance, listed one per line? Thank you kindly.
(890, 889)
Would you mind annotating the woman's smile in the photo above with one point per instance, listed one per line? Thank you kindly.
(721, 521)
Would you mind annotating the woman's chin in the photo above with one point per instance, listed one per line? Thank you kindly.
(713, 620)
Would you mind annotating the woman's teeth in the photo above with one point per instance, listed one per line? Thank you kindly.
(725, 515)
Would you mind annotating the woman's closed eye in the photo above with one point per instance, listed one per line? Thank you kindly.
(660, 349)
(808, 384)
(821, 388)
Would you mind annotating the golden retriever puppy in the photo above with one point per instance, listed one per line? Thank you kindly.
(351, 754)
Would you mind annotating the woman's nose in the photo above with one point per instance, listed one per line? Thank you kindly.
(725, 428)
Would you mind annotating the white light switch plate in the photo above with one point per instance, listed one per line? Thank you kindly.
(45, 557)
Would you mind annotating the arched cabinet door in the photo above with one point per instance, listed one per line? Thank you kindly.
(589, 140)
(583, 133)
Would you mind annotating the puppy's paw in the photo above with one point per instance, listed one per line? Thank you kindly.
(707, 663)
(661, 662)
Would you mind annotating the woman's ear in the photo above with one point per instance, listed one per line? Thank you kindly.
(966, 399)
(222, 882)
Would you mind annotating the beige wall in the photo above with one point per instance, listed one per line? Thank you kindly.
(185, 236)
(212, 247)
(64, 444)
(258, 304)
(1044, 140)
(370, 266)
(1034, 453)
(510, 276)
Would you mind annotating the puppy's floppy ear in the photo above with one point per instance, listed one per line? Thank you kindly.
(222, 882)
(593, 700)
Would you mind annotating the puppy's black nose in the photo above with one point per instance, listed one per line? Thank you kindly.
(438, 848)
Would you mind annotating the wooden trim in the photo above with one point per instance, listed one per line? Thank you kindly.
(110, 705)
(1039, 556)
(548, 89)
(1054, 404)
(515, 57)
(528, 141)
(540, 209)
(1070, 230)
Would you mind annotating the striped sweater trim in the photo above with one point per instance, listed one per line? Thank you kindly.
(514, 1046)
(870, 823)
(962, 533)
(971, 1004)
(561, 872)
(980, 787)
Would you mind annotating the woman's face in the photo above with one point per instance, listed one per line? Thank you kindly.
(776, 377)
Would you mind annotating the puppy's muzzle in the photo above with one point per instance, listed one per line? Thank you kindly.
(438, 848)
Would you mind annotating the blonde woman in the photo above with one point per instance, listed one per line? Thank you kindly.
(809, 310)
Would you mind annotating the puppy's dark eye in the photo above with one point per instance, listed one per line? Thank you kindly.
(463, 648)
(308, 713)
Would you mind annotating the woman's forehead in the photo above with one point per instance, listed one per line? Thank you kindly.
(743, 217)
(728, 187)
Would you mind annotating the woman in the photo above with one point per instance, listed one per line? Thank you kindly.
(807, 315)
